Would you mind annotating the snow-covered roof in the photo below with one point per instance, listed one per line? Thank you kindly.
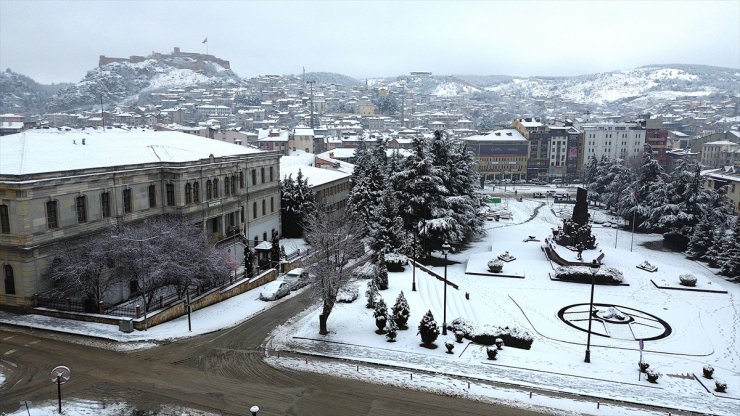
(303, 131)
(723, 143)
(49, 150)
(315, 176)
(502, 135)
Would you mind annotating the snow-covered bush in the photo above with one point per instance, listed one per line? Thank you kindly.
(463, 326)
(512, 337)
(428, 329)
(395, 262)
(604, 276)
(687, 280)
(401, 311)
(495, 266)
(366, 271)
(720, 386)
(380, 314)
(491, 352)
(708, 370)
(348, 294)
(652, 375)
(643, 366)
(371, 294)
(381, 277)
(391, 330)
(450, 346)
(459, 336)
(499, 343)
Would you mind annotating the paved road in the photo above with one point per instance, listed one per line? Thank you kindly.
(222, 372)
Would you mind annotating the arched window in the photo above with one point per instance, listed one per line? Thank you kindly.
(209, 190)
(215, 188)
(9, 280)
(233, 184)
(196, 192)
(241, 179)
(188, 193)
(226, 186)
(4, 219)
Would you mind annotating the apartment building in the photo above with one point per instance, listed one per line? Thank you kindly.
(501, 154)
(613, 140)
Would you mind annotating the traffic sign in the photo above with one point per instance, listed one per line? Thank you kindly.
(61, 373)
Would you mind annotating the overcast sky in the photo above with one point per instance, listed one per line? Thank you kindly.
(56, 41)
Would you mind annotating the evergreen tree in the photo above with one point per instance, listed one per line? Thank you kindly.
(428, 329)
(368, 182)
(275, 249)
(691, 200)
(380, 314)
(248, 263)
(591, 171)
(297, 201)
(708, 235)
(731, 262)
(401, 311)
(638, 202)
(386, 233)
(381, 276)
(371, 294)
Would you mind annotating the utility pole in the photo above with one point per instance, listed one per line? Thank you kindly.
(102, 116)
(403, 100)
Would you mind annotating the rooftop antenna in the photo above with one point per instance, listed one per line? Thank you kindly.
(304, 75)
(311, 84)
(403, 99)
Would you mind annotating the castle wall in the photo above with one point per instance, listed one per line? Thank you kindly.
(200, 59)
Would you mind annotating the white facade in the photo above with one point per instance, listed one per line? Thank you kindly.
(613, 140)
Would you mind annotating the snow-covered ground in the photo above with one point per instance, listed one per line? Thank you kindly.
(705, 329)
(704, 326)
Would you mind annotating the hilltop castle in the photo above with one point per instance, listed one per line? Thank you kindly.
(184, 60)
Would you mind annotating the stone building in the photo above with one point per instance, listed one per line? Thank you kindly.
(59, 186)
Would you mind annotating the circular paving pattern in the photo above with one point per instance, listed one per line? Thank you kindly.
(615, 321)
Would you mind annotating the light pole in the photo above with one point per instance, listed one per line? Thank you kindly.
(594, 269)
(254, 410)
(413, 270)
(445, 250)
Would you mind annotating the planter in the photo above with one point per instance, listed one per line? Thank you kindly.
(491, 353)
(720, 386)
(708, 370)
(652, 375)
(450, 346)
(459, 336)
(380, 323)
(643, 366)
(391, 336)
(499, 343)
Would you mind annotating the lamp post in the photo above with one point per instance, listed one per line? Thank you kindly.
(254, 410)
(413, 272)
(445, 250)
(594, 269)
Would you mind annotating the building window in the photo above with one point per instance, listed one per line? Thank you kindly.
(105, 204)
(209, 190)
(4, 219)
(188, 193)
(127, 201)
(9, 280)
(256, 239)
(271, 174)
(80, 201)
(241, 179)
(152, 196)
(226, 186)
(264, 210)
(51, 214)
(254, 177)
(254, 209)
(272, 204)
(215, 188)
(196, 192)
(262, 174)
(170, 190)
(241, 214)
(264, 236)
(233, 184)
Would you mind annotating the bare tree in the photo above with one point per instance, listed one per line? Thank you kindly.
(79, 270)
(336, 240)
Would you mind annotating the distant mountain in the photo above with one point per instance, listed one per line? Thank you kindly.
(127, 82)
(331, 78)
(20, 94)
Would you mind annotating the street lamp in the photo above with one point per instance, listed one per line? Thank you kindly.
(445, 250)
(413, 272)
(254, 410)
(594, 269)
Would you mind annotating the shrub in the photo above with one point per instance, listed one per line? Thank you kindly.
(381, 277)
(605, 275)
(495, 266)
(371, 294)
(428, 329)
(380, 314)
(643, 366)
(652, 375)
(401, 311)
(720, 386)
(395, 262)
(708, 370)
(463, 326)
(366, 271)
(687, 280)
(491, 352)
(391, 330)
(512, 337)
(348, 294)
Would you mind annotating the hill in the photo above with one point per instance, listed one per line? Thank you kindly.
(22, 95)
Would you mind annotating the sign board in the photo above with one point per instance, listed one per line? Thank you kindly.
(494, 200)
(62, 373)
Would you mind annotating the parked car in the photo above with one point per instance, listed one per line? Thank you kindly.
(538, 195)
(297, 278)
(274, 290)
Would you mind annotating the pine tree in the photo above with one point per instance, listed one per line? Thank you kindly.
(386, 233)
(428, 329)
(391, 330)
(381, 277)
(380, 314)
(371, 294)
(401, 311)
(296, 202)
(731, 263)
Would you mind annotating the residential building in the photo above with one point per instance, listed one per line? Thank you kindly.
(720, 153)
(538, 137)
(59, 186)
(563, 153)
(302, 139)
(728, 176)
(613, 140)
